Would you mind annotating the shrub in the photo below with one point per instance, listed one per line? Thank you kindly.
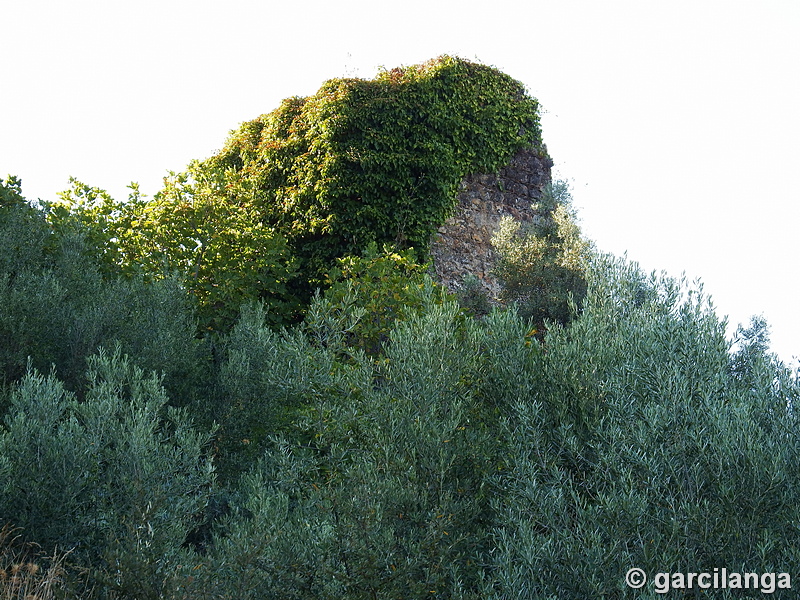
(637, 448)
(58, 307)
(198, 229)
(120, 478)
(269, 377)
(24, 233)
(542, 266)
(380, 492)
(384, 288)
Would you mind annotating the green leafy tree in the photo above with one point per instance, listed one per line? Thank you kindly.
(384, 288)
(11, 192)
(58, 305)
(472, 297)
(542, 266)
(379, 493)
(270, 377)
(92, 214)
(199, 228)
(262, 374)
(23, 231)
(753, 365)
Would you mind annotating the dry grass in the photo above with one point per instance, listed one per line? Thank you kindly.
(24, 573)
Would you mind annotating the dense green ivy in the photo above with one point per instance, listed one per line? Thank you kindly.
(318, 179)
(377, 160)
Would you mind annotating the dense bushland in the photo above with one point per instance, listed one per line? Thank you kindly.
(648, 443)
(59, 307)
(318, 179)
(169, 428)
(465, 459)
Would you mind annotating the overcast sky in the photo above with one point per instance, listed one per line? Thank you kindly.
(677, 122)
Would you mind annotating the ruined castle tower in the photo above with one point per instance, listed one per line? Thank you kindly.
(463, 244)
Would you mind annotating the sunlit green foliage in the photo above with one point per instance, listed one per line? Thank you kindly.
(384, 288)
(57, 308)
(377, 160)
(94, 215)
(201, 230)
(542, 266)
(11, 192)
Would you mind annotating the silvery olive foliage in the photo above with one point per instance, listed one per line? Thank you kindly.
(381, 489)
(468, 459)
(641, 447)
(473, 461)
(119, 478)
(189, 436)
(57, 307)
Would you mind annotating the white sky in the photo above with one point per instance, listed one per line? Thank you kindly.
(676, 121)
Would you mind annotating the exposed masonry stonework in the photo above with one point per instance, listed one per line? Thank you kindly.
(463, 244)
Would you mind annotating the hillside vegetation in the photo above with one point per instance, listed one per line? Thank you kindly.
(317, 179)
(249, 386)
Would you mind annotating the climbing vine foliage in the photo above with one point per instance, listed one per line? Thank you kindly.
(377, 160)
(317, 179)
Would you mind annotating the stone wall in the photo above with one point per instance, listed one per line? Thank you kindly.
(463, 244)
